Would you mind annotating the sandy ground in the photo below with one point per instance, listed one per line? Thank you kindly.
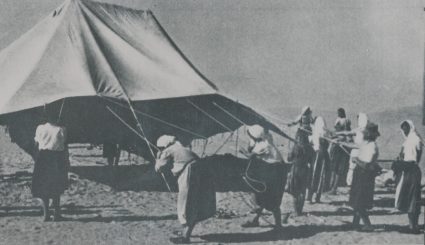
(132, 206)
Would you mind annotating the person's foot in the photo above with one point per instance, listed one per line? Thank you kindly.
(250, 223)
(180, 240)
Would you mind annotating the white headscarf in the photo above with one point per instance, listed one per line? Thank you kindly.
(319, 130)
(362, 120)
(165, 141)
(256, 131)
(412, 143)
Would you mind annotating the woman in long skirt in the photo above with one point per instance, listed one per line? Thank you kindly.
(196, 198)
(300, 156)
(408, 191)
(358, 138)
(339, 154)
(319, 172)
(269, 169)
(50, 176)
(363, 184)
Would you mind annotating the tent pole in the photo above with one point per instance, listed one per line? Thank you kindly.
(139, 125)
(143, 137)
(126, 124)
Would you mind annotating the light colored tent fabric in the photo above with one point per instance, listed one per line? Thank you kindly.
(86, 48)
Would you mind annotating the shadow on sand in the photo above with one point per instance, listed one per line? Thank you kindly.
(284, 234)
(9, 211)
(292, 232)
(121, 215)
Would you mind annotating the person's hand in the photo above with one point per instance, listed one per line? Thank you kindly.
(158, 168)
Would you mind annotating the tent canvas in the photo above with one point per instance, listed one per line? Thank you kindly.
(88, 59)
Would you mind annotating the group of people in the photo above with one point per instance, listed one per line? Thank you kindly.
(323, 159)
(320, 160)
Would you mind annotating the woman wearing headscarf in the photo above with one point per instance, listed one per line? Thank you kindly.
(320, 167)
(358, 138)
(196, 198)
(339, 154)
(365, 171)
(304, 120)
(50, 175)
(300, 157)
(408, 191)
(269, 169)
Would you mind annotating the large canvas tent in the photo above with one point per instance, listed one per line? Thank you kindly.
(104, 70)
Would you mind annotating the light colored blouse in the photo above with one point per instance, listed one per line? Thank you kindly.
(178, 155)
(412, 144)
(368, 152)
(50, 137)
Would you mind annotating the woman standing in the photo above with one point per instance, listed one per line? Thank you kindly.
(269, 169)
(300, 156)
(196, 198)
(320, 168)
(408, 192)
(304, 120)
(339, 154)
(365, 171)
(50, 176)
(358, 138)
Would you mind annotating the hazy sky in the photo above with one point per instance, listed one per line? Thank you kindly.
(361, 54)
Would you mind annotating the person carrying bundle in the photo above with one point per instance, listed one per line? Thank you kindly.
(196, 199)
(408, 191)
(268, 169)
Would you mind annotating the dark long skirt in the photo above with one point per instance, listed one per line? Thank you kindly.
(298, 179)
(408, 192)
(196, 199)
(320, 175)
(340, 161)
(50, 176)
(274, 176)
(362, 189)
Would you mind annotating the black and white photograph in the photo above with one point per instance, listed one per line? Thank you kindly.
(212, 122)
